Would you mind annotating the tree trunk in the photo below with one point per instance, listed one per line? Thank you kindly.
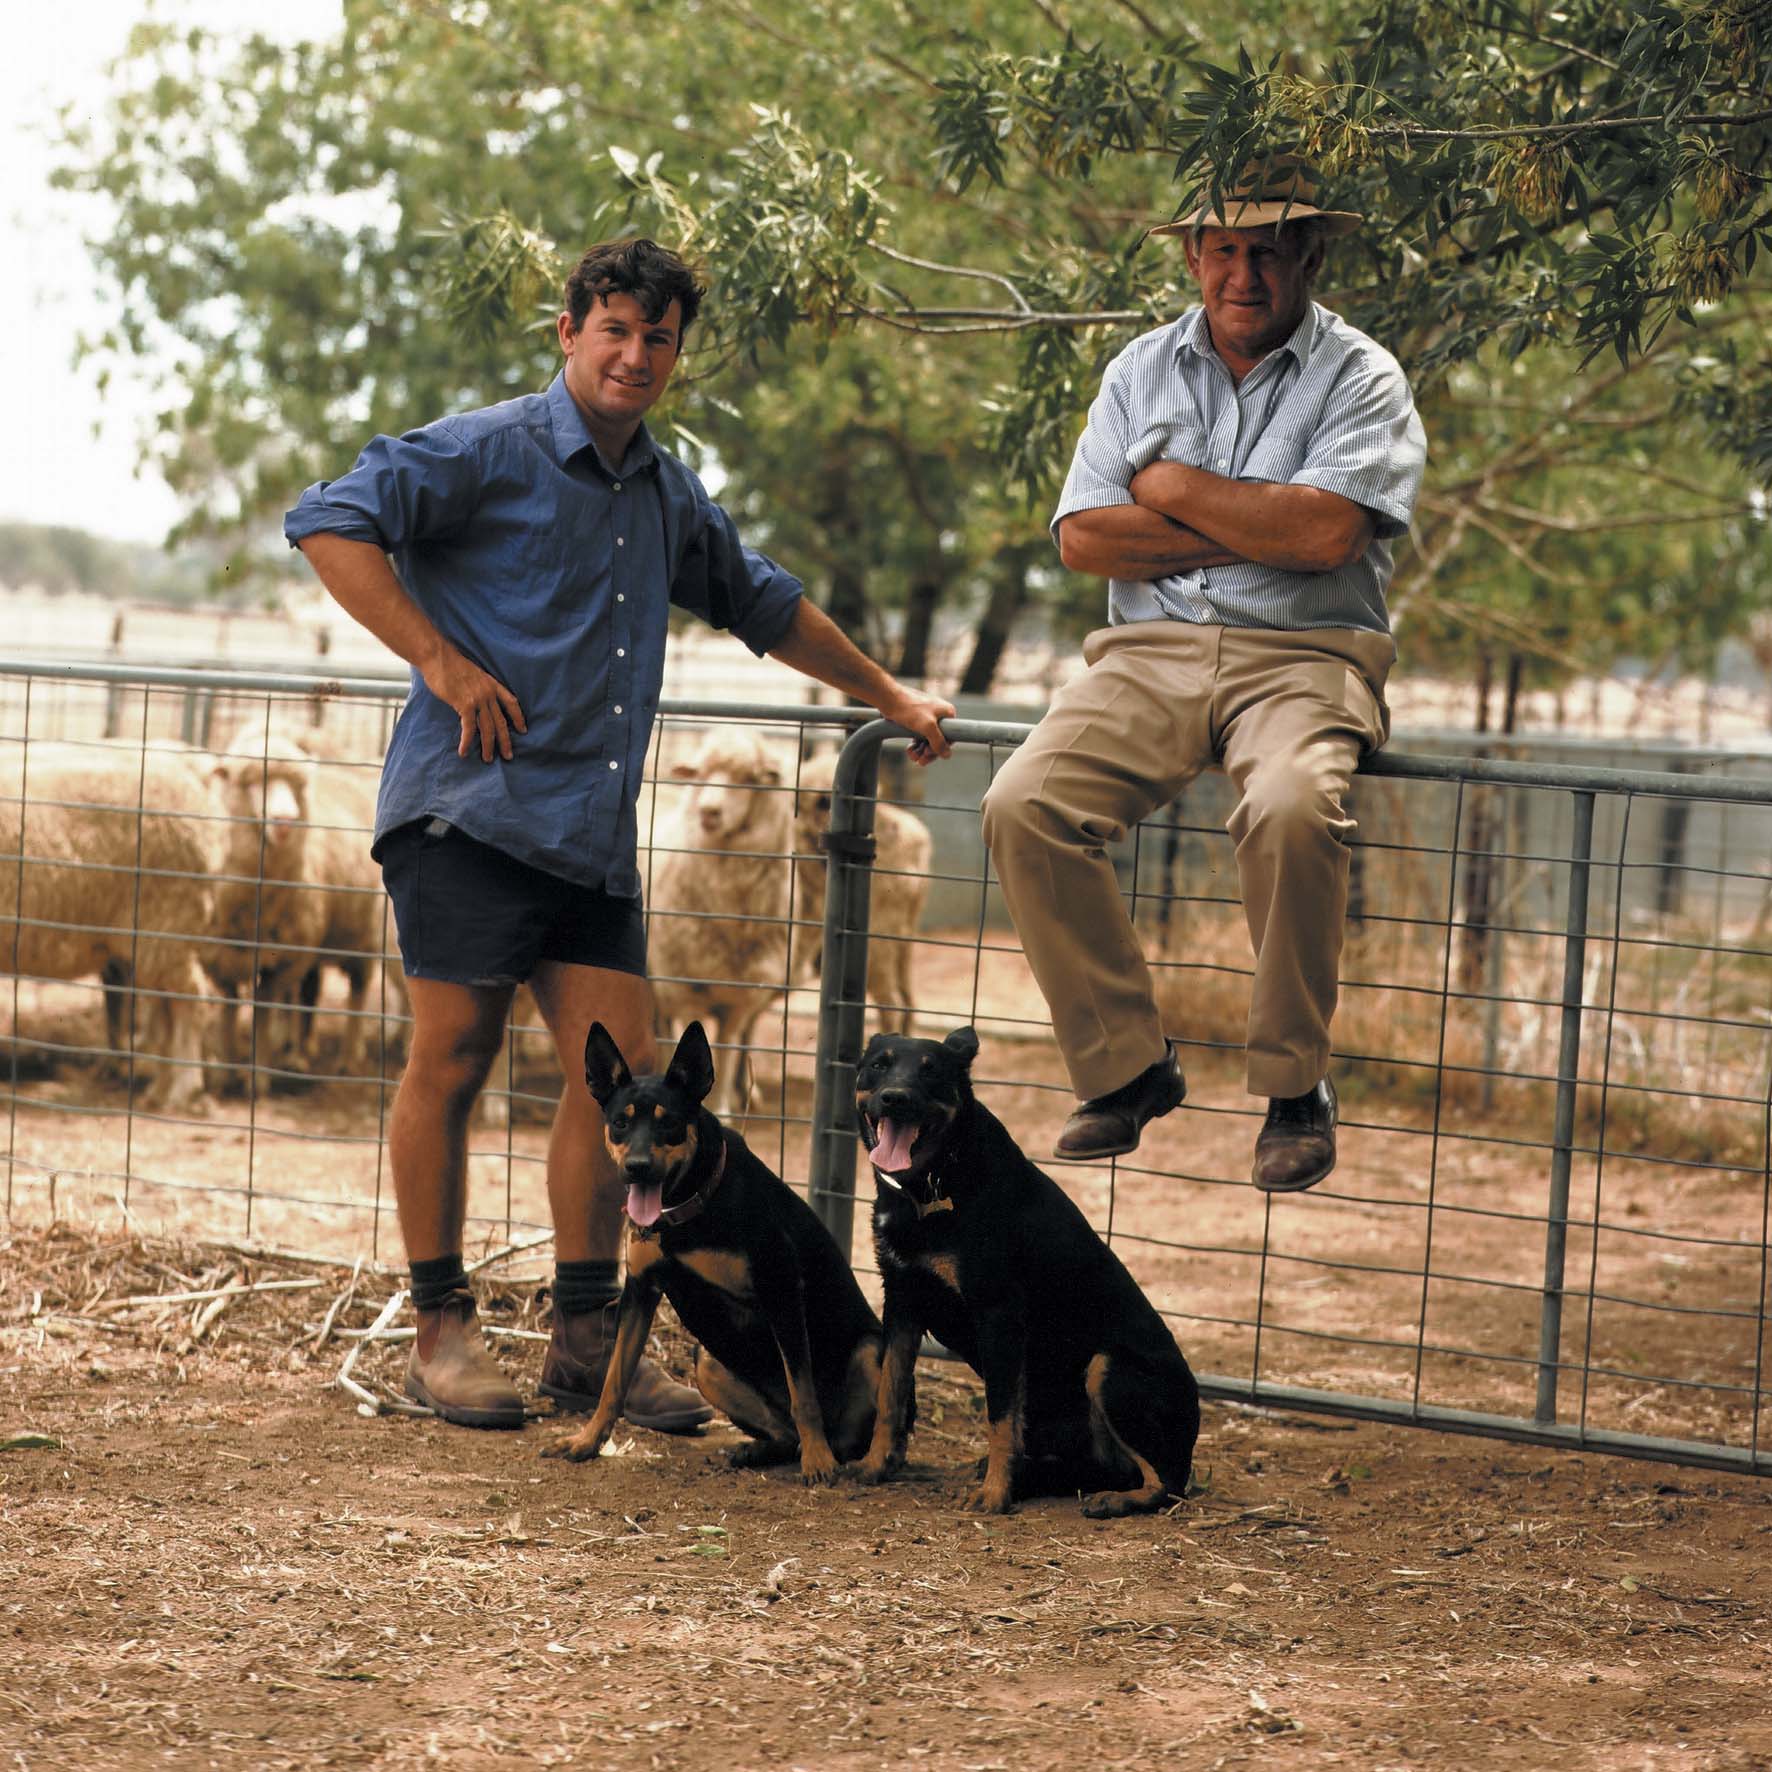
(1009, 589)
(919, 624)
(849, 602)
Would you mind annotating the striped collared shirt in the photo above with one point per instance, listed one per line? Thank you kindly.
(1328, 408)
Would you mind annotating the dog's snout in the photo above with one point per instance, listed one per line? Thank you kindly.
(893, 1101)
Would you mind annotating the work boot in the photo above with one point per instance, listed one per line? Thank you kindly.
(1295, 1148)
(453, 1374)
(1111, 1125)
(578, 1359)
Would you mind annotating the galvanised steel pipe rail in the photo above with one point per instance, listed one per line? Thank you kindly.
(306, 685)
(843, 1006)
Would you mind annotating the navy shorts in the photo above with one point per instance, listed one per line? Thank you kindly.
(467, 913)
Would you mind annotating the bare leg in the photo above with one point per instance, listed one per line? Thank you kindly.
(585, 1189)
(457, 1030)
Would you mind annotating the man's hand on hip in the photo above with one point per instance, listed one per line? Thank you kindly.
(487, 709)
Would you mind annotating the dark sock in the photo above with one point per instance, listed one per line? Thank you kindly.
(584, 1286)
(433, 1281)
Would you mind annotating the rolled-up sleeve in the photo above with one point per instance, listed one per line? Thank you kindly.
(734, 587)
(417, 487)
(1101, 474)
(1370, 446)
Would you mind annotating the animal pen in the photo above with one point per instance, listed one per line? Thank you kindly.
(1550, 1219)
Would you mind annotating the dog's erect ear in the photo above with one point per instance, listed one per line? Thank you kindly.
(605, 1069)
(963, 1043)
(692, 1064)
(873, 1040)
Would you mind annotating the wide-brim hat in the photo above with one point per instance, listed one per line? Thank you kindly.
(1285, 190)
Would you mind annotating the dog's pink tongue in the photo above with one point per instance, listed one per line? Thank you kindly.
(645, 1203)
(892, 1147)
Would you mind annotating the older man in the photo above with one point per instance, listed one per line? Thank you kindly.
(538, 548)
(1242, 474)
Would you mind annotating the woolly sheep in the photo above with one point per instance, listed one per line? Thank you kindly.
(896, 897)
(110, 868)
(263, 911)
(344, 886)
(720, 898)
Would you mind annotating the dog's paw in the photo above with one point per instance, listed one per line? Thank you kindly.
(818, 1465)
(1117, 1504)
(990, 1498)
(873, 1470)
(576, 1447)
(756, 1455)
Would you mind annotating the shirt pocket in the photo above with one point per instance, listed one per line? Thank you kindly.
(1181, 443)
(1278, 455)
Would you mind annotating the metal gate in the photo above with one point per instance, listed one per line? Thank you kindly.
(1555, 1055)
(1634, 1314)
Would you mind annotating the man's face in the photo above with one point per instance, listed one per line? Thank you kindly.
(1255, 284)
(618, 361)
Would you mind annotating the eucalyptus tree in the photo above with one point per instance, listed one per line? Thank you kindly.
(926, 226)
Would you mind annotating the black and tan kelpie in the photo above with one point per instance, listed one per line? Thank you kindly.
(1085, 1388)
(790, 1349)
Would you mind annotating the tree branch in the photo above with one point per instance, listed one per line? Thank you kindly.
(924, 264)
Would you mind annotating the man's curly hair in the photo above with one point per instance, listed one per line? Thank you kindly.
(652, 274)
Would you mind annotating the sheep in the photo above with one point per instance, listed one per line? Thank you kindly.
(720, 898)
(110, 867)
(343, 883)
(263, 911)
(896, 897)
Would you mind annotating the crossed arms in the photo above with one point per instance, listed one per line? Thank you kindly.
(1186, 518)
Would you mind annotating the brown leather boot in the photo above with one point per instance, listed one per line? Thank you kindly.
(452, 1372)
(578, 1358)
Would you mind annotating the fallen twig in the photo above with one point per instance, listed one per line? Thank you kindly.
(367, 1401)
(207, 1295)
(521, 1247)
(342, 1302)
(205, 1317)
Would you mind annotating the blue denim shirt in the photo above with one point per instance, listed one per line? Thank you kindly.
(555, 574)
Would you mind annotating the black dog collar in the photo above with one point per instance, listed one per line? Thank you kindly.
(937, 1201)
(685, 1210)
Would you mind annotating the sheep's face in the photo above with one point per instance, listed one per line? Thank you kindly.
(267, 802)
(735, 791)
(812, 804)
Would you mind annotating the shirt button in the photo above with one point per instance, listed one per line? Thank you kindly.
(618, 707)
(614, 765)
(621, 541)
(621, 596)
(618, 486)
(621, 652)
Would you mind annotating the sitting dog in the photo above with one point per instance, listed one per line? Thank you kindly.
(790, 1349)
(1084, 1385)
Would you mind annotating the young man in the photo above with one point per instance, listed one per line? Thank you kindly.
(1242, 474)
(536, 549)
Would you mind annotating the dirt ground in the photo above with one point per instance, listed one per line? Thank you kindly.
(217, 1560)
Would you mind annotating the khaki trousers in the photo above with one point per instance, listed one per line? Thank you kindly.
(1289, 715)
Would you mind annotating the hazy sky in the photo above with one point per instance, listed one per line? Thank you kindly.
(53, 467)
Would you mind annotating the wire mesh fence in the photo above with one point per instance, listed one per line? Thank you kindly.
(1554, 1049)
(207, 1012)
(1549, 1219)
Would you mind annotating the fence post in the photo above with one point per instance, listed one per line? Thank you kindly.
(1556, 1234)
(843, 978)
